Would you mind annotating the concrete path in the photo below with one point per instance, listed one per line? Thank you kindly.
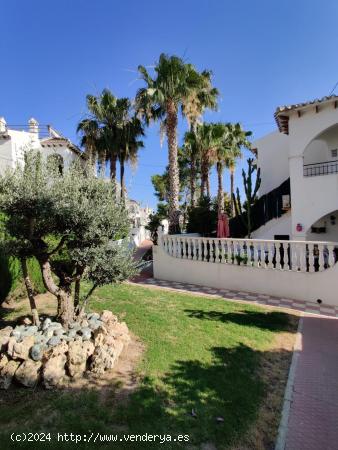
(147, 271)
(313, 415)
(311, 421)
(247, 297)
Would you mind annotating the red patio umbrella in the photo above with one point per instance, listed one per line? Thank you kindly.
(223, 230)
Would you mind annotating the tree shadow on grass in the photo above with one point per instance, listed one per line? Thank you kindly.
(215, 401)
(274, 321)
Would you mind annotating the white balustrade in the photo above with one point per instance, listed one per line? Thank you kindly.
(302, 256)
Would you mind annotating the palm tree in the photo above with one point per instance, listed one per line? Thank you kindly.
(234, 137)
(173, 86)
(103, 108)
(129, 146)
(90, 137)
(191, 150)
(193, 108)
(207, 138)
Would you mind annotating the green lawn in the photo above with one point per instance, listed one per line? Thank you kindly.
(201, 354)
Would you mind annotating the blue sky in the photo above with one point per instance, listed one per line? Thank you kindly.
(263, 54)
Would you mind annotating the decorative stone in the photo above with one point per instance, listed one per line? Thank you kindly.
(26, 321)
(59, 332)
(72, 333)
(93, 316)
(108, 316)
(84, 323)
(5, 334)
(21, 349)
(55, 340)
(99, 335)
(55, 325)
(54, 371)
(36, 352)
(57, 350)
(78, 355)
(95, 324)
(86, 333)
(28, 373)
(103, 358)
(46, 324)
(74, 326)
(48, 333)
(3, 360)
(7, 374)
(16, 334)
(29, 331)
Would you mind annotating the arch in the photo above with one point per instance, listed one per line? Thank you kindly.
(326, 140)
(313, 128)
(325, 228)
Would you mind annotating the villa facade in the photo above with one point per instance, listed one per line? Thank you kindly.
(302, 159)
(16, 140)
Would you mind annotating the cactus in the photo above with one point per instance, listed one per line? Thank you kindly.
(250, 193)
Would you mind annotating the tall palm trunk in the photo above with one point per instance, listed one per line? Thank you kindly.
(113, 159)
(220, 191)
(30, 291)
(208, 184)
(122, 178)
(192, 181)
(204, 175)
(232, 189)
(173, 168)
(102, 163)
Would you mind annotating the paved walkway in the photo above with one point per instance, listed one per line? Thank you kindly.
(248, 297)
(313, 416)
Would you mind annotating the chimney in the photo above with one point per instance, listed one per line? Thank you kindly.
(3, 125)
(33, 126)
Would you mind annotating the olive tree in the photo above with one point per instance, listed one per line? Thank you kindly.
(72, 224)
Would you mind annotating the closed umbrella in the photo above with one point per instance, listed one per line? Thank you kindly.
(223, 230)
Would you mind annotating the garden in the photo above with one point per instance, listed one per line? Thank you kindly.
(85, 350)
(203, 367)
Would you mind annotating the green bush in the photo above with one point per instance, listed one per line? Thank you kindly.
(11, 276)
(203, 218)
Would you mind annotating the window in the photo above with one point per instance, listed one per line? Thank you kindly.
(56, 161)
(334, 153)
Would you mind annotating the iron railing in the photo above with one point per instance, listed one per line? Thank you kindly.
(322, 168)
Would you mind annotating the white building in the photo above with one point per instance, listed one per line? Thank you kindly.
(16, 140)
(305, 151)
(140, 219)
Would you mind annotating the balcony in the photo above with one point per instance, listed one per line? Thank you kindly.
(322, 168)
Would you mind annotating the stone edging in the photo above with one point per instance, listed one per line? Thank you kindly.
(284, 423)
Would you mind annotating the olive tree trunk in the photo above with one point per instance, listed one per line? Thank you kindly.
(30, 291)
(173, 168)
(63, 294)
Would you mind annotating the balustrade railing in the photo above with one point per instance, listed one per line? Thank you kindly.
(303, 256)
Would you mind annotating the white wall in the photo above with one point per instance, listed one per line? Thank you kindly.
(68, 155)
(273, 152)
(281, 225)
(6, 157)
(286, 284)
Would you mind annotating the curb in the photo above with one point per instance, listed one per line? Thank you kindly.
(284, 423)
